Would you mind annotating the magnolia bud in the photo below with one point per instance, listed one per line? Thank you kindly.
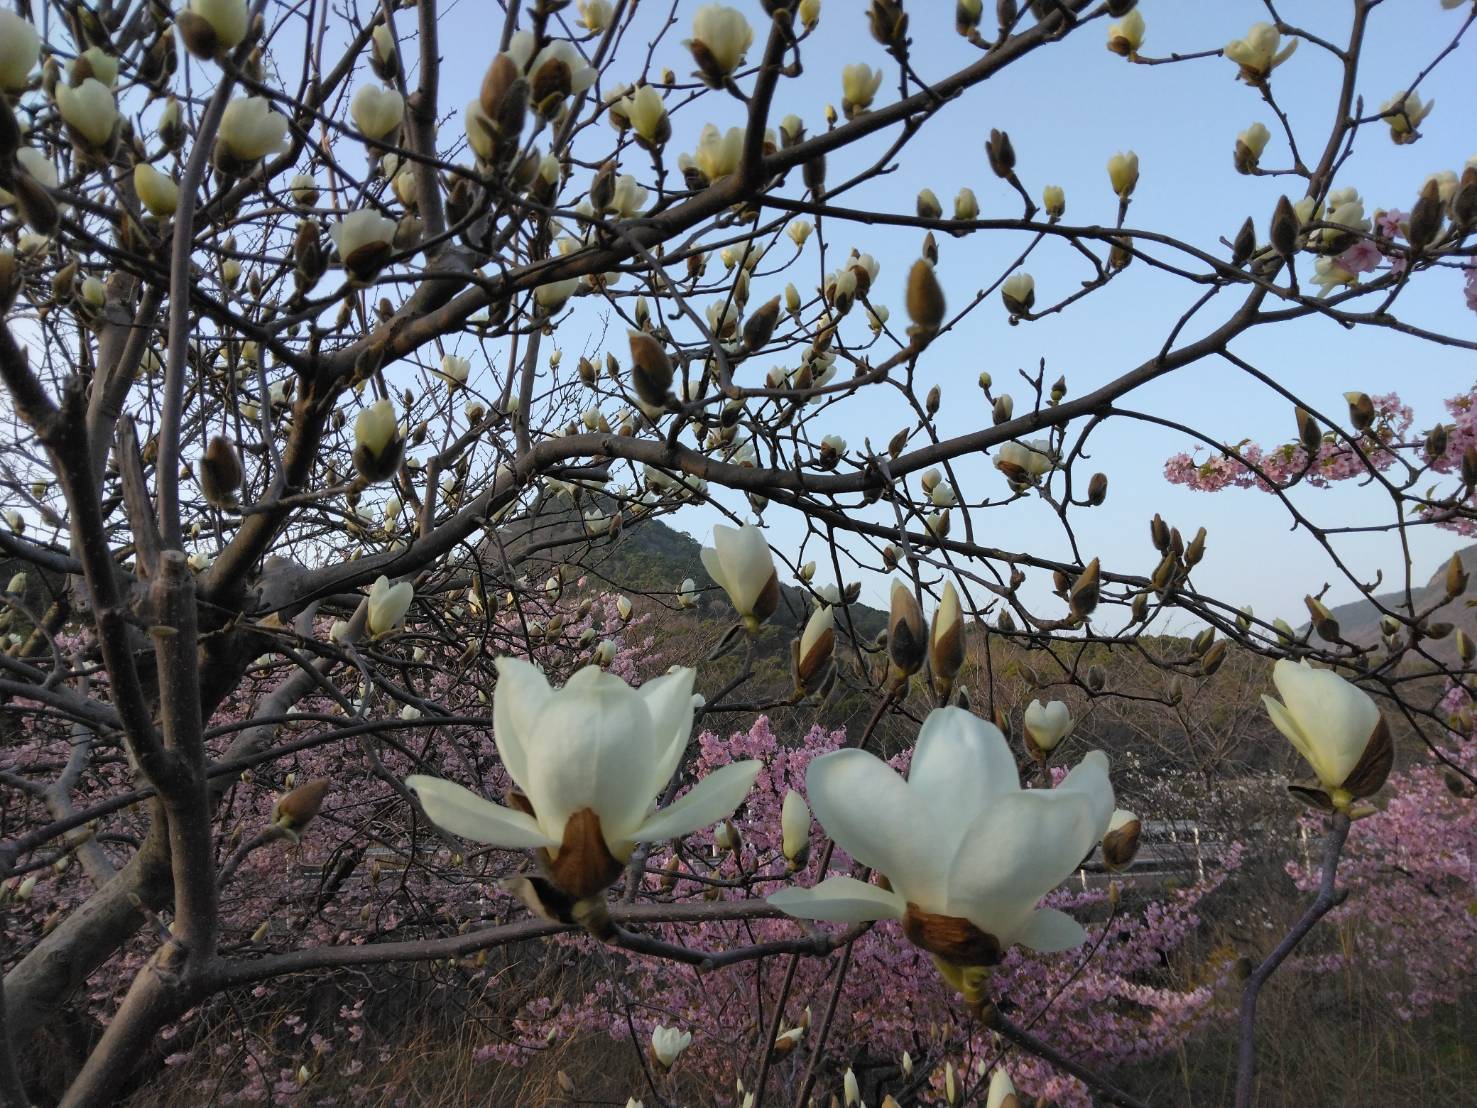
(651, 369)
(1001, 154)
(296, 809)
(1361, 410)
(1426, 217)
(795, 829)
(1284, 230)
(1309, 433)
(1097, 489)
(1245, 244)
(1456, 577)
(220, 472)
(907, 640)
(1085, 591)
(925, 299)
(1121, 842)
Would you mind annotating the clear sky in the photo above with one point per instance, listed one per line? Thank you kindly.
(1068, 108)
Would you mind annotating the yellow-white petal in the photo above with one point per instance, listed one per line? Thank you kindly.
(840, 900)
(462, 812)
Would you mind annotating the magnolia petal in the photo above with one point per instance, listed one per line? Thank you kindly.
(879, 820)
(594, 748)
(840, 900)
(1283, 721)
(961, 764)
(1090, 778)
(522, 694)
(1049, 930)
(1025, 845)
(462, 812)
(710, 800)
(669, 700)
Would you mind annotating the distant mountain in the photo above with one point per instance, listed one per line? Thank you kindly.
(1359, 621)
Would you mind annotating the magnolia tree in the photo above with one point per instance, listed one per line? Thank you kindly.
(298, 483)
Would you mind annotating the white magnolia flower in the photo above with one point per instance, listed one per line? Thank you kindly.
(365, 241)
(1335, 725)
(849, 1089)
(156, 191)
(1023, 460)
(1047, 724)
(959, 839)
(551, 297)
(740, 563)
(595, 15)
(629, 198)
(1127, 36)
(558, 71)
(20, 46)
(645, 110)
(718, 152)
(859, 84)
(1054, 200)
(1018, 291)
(250, 129)
(304, 190)
(388, 604)
(1255, 139)
(1329, 275)
(456, 370)
(799, 231)
(377, 111)
(1257, 53)
(667, 1043)
(589, 759)
(89, 109)
(228, 20)
(1123, 173)
(720, 37)
(966, 205)
(687, 593)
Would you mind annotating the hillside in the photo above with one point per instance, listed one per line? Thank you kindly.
(1359, 621)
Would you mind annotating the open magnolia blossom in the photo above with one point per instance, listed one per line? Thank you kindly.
(718, 152)
(967, 852)
(1257, 53)
(1337, 727)
(740, 563)
(588, 762)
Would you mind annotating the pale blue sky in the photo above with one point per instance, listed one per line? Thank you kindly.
(1068, 108)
